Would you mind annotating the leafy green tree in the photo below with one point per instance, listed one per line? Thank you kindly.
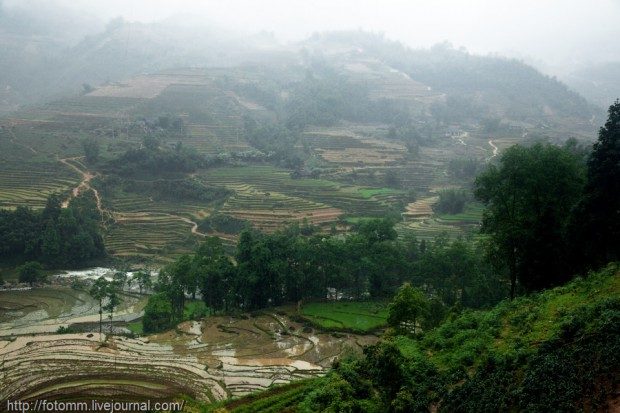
(596, 224)
(392, 179)
(120, 280)
(529, 197)
(385, 364)
(113, 300)
(99, 292)
(407, 308)
(31, 272)
(451, 201)
(158, 313)
(375, 230)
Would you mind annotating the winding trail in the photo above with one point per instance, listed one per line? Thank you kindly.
(84, 185)
(194, 225)
(495, 150)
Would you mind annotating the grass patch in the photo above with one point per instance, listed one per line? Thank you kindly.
(370, 192)
(362, 316)
(136, 327)
(195, 310)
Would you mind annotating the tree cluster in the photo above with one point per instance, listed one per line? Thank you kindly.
(548, 214)
(289, 266)
(451, 201)
(152, 160)
(55, 236)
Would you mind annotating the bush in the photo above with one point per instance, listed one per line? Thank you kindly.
(157, 314)
(31, 272)
(223, 223)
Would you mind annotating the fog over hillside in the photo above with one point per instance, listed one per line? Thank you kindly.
(53, 41)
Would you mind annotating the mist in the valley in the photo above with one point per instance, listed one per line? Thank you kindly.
(573, 40)
(556, 35)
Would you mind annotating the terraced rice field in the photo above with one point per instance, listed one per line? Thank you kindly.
(145, 86)
(389, 83)
(472, 214)
(429, 229)
(148, 228)
(31, 184)
(420, 220)
(274, 188)
(45, 309)
(214, 139)
(140, 235)
(345, 147)
(208, 360)
(422, 208)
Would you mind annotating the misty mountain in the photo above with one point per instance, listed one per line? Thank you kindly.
(490, 85)
(39, 64)
(599, 83)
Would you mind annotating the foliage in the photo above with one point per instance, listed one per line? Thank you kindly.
(554, 351)
(288, 266)
(91, 149)
(223, 223)
(56, 236)
(144, 281)
(595, 227)
(407, 308)
(157, 314)
(153, 160)
(31, 272)
(277, 141)
(451, 201)
(463, 168)
(529, 198)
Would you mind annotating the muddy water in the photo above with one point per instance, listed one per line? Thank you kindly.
(211, 359)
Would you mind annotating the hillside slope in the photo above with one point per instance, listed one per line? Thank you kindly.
(558, 350)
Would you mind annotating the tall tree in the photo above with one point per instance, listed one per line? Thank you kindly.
(113, 301)
(407, 308)
(91, 149)
(99, 291)
(596, 225)
(529, 197)
(157, 313)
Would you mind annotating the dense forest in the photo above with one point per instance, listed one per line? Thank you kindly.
(55, 236)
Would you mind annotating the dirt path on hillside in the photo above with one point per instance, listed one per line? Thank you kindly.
(194, 225)
(495, 150)
(84, 185)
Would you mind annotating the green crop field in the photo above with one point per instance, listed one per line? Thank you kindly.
(471, 215)
(353, 315)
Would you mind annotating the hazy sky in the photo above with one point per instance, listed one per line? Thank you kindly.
(550, 32)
